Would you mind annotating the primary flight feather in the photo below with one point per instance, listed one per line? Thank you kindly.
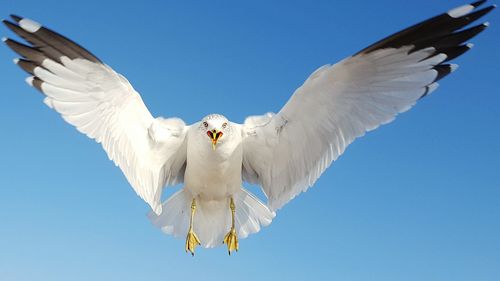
(284, 153)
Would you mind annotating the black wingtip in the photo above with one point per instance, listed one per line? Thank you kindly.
(491, 7)
(478, 3)
(454, 52)
(37, 84)
(12, 26)
(26, 65)
(483, 11)
(16, 18)
(9, 24)
(443, 70)
(480, 13)
(6, 22)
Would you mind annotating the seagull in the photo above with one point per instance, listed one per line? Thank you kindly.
(284, 153)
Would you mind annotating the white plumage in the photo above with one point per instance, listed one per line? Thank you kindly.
(285, 153)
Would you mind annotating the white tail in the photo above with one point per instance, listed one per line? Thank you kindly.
(213, 218)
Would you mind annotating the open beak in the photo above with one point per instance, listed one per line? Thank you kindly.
(214, 136)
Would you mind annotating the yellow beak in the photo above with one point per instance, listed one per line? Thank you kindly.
(214, 144)
(214, 136)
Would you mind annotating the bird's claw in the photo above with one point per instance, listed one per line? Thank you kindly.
(191, 241)
(231, 240)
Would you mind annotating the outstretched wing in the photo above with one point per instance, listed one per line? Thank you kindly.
(102, 104)
(287, 152)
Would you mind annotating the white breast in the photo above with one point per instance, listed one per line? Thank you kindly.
(213, 174)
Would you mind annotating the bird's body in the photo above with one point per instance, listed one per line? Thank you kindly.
(284, 153)
(213, 178)
(218, 180)
(213, 174)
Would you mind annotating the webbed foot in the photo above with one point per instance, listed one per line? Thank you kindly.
(192, 241)
(231, 240)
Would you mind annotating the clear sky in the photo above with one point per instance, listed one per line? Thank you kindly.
(418, 199)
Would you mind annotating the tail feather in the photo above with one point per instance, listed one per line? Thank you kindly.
(251, 213)
(213, 218)
(174, 219)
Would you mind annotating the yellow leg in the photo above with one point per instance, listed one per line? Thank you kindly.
(231, 238)
(192, 239)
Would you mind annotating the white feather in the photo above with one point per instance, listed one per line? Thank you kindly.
(460, 11)
(286, 153)
(102, 105)
(29, 25)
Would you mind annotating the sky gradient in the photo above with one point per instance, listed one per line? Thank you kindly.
(417, 199)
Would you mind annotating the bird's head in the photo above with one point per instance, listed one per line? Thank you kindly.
(216, 127)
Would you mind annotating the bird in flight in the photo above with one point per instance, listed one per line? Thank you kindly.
(284, 153)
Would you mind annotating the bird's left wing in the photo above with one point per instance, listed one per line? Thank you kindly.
(287, 152)
(103, 105)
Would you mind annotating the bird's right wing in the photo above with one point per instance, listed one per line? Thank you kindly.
(102, 104)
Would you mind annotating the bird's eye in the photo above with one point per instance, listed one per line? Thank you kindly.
(205, 124)
(224, 125)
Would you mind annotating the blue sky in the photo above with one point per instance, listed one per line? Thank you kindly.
(418, 199)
